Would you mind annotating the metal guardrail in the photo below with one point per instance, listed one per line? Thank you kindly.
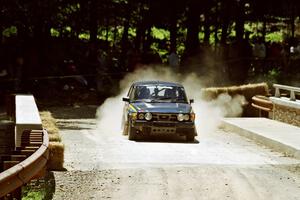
(292, 90)
(262, 103)
(22, 173)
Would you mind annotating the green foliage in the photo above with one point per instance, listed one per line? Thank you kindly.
(132, 32)
(201, 36)
(275, 37)
(160, 33)
(34, 195)
(106, 34)
(273, 74)
(68, 29)
(54, 32)
(163, 53)
(84, 36)
(8, 32)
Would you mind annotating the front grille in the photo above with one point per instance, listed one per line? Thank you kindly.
(164, 117)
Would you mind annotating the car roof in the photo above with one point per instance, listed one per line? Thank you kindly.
(164, 83)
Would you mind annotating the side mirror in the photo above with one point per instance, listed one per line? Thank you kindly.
(191, 101)
(126, 99)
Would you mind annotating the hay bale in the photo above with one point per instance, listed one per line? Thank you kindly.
(54, 137)
(209, 94)
(49, 123)
(56, 156)
(251, 90)
(248, 91)
(47, 118)
(56, 148)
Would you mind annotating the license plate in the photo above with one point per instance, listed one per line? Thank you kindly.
(160, 130)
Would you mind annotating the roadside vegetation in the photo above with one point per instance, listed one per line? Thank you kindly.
(99, 42)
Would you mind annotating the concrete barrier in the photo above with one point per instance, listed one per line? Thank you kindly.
(286, 110)
(26, 115)
(279, 136)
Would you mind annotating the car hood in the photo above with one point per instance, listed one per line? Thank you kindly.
(162, 107)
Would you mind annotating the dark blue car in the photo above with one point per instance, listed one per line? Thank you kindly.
(156, 107)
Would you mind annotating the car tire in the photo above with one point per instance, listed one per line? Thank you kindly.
(131, 132)
(190, 138)
(125, 129)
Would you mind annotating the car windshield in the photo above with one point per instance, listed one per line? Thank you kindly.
(159, 93)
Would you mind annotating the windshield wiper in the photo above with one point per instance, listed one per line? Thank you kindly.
(179, 101)
(142, 100)
(165, 98)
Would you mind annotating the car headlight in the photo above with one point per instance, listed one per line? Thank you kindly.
(148, 116)
(141, 116)
(180, 117)
(186, 117)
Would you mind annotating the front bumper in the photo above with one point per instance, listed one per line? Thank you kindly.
(156, 127)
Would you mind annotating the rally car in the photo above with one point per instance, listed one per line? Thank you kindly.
(156, 107)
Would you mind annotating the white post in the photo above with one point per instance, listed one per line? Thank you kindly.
(292, 96)
(277, 92)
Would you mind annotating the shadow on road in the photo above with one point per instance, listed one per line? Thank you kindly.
(71, 112)
(75, 125)
(165, 138)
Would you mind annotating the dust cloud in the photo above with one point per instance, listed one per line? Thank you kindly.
(208, 114)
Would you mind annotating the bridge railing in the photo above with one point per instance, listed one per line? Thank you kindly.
(20, 174)
(291, 89)
(29, 154)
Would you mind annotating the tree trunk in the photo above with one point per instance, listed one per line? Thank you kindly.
(264, 31)
(293, 23)
(224, 21)
(106, 32)
(173, 32)
(192, 39)
(216, 34)
(124, 43)
(206, 30)
(93, 21)
(240, 21)
(140, 34)
(147, 40)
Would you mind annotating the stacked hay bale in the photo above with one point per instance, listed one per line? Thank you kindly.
(56, 156)
(248, 91)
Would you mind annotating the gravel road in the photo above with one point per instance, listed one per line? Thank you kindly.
(219, 165)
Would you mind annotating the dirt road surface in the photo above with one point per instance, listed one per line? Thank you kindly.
(219, 165)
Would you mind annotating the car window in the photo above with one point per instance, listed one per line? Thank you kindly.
(159, 93)
(130, 91)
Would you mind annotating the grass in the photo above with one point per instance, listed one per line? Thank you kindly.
(34, 195)
(39, 189)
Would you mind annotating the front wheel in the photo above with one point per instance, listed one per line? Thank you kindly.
(125, 128)
(190, 138)
(131, 132)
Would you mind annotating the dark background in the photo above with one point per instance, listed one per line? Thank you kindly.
(47, 45)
